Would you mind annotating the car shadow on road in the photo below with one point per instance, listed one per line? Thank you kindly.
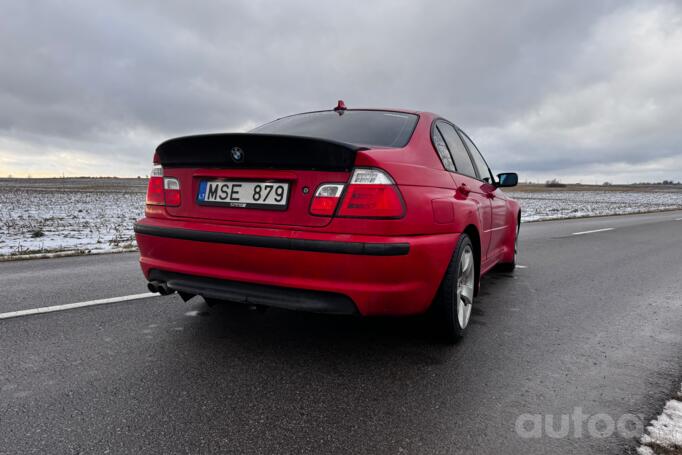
(349, 379)
(275, 328)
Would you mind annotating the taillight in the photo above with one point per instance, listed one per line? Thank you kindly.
(326, 199)
(162, 190)
(171, 188)
(372, 194)
(155, 194)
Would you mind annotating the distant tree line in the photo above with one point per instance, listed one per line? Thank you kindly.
(663, 182)
(554, 183)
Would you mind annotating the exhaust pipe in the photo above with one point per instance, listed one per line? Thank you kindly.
(159, 287)
(164, 289)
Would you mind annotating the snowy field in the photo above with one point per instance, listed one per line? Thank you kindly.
(44, 216)
(554, 205)
(75, 215)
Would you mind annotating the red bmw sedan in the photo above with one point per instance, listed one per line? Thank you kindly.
(346, 211)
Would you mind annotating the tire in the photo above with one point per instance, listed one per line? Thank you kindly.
(510, 266)
(451, 310)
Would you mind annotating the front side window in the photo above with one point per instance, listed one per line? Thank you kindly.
(459, 153)
(479, 162)
(369, 128)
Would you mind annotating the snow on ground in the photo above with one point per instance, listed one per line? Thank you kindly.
(664, 435)
(552, 205)
(87, 218)
(52, 216)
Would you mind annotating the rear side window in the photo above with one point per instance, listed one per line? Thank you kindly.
(459, 153)
(371, 128)
(442, 150)
(479, 162)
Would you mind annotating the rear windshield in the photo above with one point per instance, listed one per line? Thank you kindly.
(372, 128)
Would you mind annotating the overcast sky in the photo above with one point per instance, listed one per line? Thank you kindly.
(580, 90)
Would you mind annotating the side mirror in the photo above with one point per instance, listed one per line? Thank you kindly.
(507, 179)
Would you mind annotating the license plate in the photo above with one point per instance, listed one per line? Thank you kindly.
(244, 194)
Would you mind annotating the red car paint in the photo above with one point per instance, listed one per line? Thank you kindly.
(438, 207)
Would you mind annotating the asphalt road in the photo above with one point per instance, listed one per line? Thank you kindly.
(594, 322)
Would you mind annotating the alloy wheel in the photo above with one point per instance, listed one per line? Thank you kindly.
(465, 287)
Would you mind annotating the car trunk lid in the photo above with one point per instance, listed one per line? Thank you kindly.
(253, 163)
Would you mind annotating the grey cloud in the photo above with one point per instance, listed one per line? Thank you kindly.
(110, 80)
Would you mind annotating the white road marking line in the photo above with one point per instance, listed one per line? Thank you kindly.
(591, 232)
(70, 306)
(678, 219)
(521, 266)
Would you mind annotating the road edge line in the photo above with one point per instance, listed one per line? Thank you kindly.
(70, 306)
(593, 231)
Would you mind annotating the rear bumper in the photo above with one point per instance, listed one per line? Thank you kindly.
(257, 294)
(379, 275)
(280, 243)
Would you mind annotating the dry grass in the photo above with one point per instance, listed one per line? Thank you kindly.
(85, 184)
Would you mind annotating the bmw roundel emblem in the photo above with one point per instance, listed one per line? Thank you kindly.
(237, 154)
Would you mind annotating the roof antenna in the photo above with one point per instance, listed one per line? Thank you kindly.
(340, 107)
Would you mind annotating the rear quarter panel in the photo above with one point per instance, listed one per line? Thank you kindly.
(429, 191)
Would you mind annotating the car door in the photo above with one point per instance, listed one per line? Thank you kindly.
(467, 183)
(495, 195)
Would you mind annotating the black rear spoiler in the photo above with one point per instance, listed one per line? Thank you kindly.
(264, 151)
